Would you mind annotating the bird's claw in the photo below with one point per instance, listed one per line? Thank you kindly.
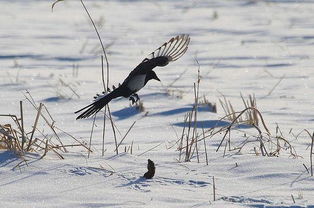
(134, 98)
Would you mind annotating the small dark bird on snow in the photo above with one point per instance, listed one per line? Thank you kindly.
(137, 79)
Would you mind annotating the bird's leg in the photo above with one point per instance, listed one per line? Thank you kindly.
(137, 97)
(134, 98)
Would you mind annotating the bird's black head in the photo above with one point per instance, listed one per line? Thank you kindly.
(152, 75)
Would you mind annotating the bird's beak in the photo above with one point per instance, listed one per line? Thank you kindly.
(157, 78)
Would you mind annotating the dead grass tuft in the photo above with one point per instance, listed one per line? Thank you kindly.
(42, 138)
(249, 117)
(259, 142)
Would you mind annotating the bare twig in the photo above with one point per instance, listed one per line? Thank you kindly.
(214, 188)
(105, 90)
(274, 87)
(150, 149)
(54, 3)
(307, 170)
(91, 136)
(126, 134)
(293, 198)
(311, 153)
(206, 156)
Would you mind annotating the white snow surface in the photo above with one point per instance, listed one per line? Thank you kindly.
(242, 46)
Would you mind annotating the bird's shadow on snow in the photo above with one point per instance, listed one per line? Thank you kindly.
(126, 113)
(55, 99)
(201, 108)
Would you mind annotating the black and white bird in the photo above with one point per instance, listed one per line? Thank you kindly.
(138, 78)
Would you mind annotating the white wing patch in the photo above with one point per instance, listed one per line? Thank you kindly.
(137, 82)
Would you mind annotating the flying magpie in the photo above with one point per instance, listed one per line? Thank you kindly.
(137, 79)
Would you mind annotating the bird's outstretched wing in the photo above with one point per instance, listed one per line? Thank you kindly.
(168, 52)
(173, 49)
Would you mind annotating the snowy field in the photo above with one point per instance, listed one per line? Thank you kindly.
(247, 47)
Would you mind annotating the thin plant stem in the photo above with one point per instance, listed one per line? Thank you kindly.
(91, 136)
(35, 125)
(22, 124)
(107, 66)
(311, 153)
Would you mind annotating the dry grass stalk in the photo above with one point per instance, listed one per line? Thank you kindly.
(131, 149)
(196, 94)
(251, 117)
(293, 199)
(206, 155)
(126, 134)
(275, 86)
(307, 170)
(182, 137)
(34, 126)
(311, 154)
(214, 188)
(311, 146)
(105, 89)
(107, 67)
(22, 124)
(91, 135)
(149, 149)
(188, 150)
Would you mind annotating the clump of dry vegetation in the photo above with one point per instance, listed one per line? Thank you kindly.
(212, 107)
(139, 106)
(249, 117)
(43, 136)
(253, 136)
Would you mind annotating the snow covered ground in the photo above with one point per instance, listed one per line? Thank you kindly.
(243, 46)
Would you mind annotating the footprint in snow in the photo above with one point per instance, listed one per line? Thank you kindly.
(83, 171)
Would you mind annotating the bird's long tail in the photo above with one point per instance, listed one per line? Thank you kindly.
(98, 104)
